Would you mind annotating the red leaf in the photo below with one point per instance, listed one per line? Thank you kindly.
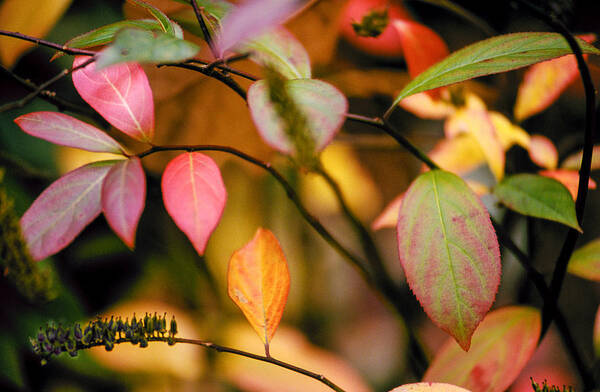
(121, 94)
(502, 345)
(194, 195)
(59, 214)
(449, 252)
(123, 198)
(59, 128)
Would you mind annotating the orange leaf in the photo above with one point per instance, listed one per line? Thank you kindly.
(35, 17)
(569, 178)
(544, 82)
(500, 348)
(543, 152)
(389, 215)
(259, 282)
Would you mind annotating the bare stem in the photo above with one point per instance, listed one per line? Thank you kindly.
(205, 30)
(228, 81)
(48, 44)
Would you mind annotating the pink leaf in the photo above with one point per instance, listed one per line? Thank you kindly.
(252, 18)
(429, 387)
(59, 214)
(121, 94)
(502, 345)
(449, 252)
(67, 131)
(194, 195)
(123, 198)
(543, 152)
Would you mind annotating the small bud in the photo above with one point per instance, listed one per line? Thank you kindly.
(108, 345)
(173, 330)
(143, 342)
(77, 332)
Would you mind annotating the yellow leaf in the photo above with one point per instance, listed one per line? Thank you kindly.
(259, 282)
(71, 158)
(359, 189)
(543, 152)
(475, 121)
(292, 347)
(424, 106)
(458, 155)
(509, 133)
(33, 17)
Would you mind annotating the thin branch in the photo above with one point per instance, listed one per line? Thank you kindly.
(48, 44)
(213, 74)
(226, 69)
(385, 125)
(291, 193)
(222, 61)
(205, 30)
(560, 267)
(22, 102)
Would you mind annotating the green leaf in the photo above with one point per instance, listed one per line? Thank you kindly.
(538, 196)
(280, 50)
(167, 25)
(106, 34)
(585, 261)
(494, 55)
(134, 45)
(449, 252)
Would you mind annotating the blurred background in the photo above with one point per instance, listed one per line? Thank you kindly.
(333, 323)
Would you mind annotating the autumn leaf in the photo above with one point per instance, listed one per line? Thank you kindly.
(500, 348)
(258, 281)
(543, 152)
(389, 215)
(194, 196)
(121, 94)
(585, 261)
(429, 387)
(61, 212)
(597, 334)
(124, 197)
(573, 161)
(569, 178)
(449, 252)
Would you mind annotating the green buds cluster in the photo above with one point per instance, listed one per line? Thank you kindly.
(56, 339)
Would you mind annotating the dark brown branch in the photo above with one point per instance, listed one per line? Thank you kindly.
(42, 42)
(205, 30)
(213, 74)
(227, 69)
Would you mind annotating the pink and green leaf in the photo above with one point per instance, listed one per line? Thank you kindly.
(280, 50)
(64, 130)
(539, 197)
(502, 345)
(449, 252)
(124, 197)
(494, 55)
(61, 212)
(194, 196)
(322, 105)
(585, 261)
(121, 94)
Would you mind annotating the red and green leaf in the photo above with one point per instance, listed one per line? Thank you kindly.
(502, 345)
(121, 94)
(62, 129)
(194, 196)
(258, 282)
(449, 252)
(124, 197)
(61, 212)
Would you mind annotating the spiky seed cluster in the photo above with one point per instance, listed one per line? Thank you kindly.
(56, 339)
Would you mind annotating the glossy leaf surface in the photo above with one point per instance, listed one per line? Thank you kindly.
(280, 50)
(449, 252)
(538, 196)
(144, 46)
(543, 152)
(194, 196)
(59, 214)
(258, 282)
(167, 25)
(502, 345)
(585, 261)
(124, 197)
(498, 54)
(121, 94)
(429, 387)
(251, 19)
(35, 18)
(322, 105)
(59, 128)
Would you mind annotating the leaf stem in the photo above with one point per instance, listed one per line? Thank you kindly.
(205, 30)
